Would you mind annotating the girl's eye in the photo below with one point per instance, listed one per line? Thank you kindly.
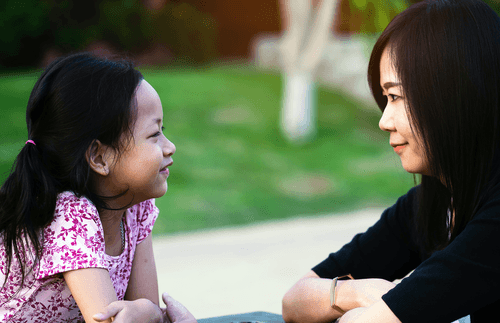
(159, 133)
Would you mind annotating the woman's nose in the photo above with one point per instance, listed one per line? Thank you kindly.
(386, 122)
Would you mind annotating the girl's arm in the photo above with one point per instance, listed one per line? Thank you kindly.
(143, 286)
(309, 299)
(142, 289)
(92, 290)
(94, 293)
(143, 281)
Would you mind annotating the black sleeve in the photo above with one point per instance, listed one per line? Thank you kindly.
(463, 278)
(386, 250)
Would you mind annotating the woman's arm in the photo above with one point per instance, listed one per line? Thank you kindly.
(309, 299)
(377, 313)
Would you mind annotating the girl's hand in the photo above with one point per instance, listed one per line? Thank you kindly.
(140, 310)
(175, 311)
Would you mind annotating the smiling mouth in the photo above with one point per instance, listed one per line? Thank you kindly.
(399, 147)
(165, 170)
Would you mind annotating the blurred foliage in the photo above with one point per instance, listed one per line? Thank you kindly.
(24, 26)
(495, 4)
(196, 42)
(31, 27)
(374, 16)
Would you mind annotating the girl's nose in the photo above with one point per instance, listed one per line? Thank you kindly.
(168, 148)
(386, 122)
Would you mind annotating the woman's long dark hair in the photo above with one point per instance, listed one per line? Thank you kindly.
(446, 54)
(76, 100)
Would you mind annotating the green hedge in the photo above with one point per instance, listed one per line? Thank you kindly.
(30, 27)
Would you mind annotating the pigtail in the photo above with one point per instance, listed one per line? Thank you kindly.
(28, 196)
(27, 203)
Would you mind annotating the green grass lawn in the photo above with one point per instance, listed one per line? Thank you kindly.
(232, 166)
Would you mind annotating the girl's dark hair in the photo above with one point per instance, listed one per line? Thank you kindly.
(76, 100)
(446, 54)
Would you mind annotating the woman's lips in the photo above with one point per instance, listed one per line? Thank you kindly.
(398, 148)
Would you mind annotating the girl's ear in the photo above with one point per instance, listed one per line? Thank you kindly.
(99, 157)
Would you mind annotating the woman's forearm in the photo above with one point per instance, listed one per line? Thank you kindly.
(309, 301)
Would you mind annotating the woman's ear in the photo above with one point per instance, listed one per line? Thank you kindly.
(99, 157)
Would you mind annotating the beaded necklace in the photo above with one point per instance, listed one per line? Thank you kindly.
(122, 231)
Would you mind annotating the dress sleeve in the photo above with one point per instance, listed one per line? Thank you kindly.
(147, 215)
(461, 279)
(386, 250)
(74, 239)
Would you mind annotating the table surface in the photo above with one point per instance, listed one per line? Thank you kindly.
(264, 317)
(253, 317)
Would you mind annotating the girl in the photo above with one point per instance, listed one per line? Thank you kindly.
(435, 74)
(77, 211)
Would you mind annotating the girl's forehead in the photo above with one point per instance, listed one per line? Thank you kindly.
(148, 104)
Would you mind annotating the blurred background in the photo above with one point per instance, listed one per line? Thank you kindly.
(216, 66)
(221, 69)
(267, 102)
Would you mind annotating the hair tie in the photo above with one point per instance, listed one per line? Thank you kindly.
(30, 142)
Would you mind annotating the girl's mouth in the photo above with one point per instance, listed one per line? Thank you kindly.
(165, 171)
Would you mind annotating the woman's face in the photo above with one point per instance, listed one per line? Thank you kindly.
(404, 141)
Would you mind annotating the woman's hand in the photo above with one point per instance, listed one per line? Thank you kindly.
(351, 315)
(140, 310)
(175, 311)
(379, 312)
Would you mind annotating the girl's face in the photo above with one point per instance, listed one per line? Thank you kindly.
(142, 167)
(395, 120)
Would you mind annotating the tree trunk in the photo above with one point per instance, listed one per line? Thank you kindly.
(306, 34)
(298, 114)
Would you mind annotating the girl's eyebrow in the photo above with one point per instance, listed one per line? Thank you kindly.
(157, 121)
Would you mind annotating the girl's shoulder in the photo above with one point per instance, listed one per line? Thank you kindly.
(145, 209)
(141, 218)
(74, 199)
(70, 204)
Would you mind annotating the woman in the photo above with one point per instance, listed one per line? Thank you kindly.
(434, 73)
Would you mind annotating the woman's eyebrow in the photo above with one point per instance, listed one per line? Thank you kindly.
(388, 85)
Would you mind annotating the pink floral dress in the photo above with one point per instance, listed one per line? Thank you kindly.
(74, 240)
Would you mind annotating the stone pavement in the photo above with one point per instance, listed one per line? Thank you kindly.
(247, 269)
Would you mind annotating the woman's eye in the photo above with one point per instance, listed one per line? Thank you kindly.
(393, 97)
